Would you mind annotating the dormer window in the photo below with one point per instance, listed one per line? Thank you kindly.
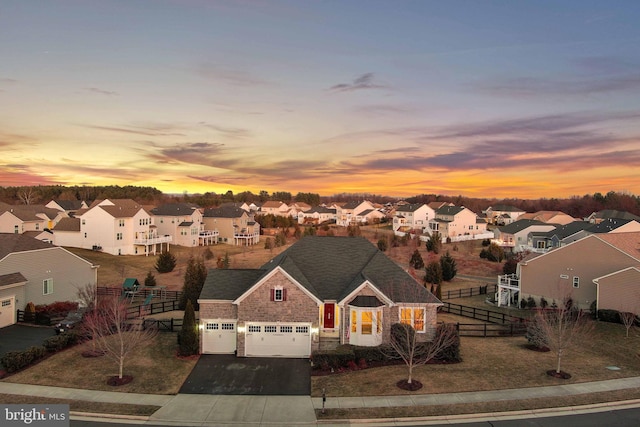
(278, 294)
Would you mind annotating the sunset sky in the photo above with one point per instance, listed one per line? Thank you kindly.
(479, 98)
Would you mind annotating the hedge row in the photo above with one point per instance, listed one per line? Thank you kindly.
(346, 356)
(16, 360)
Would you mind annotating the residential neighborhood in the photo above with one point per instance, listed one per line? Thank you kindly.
(322, 291)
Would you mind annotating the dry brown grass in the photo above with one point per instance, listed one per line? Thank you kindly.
(497, 363)
(155, 368)
(481, 407)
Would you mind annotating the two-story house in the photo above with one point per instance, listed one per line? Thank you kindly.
(20, 219)
(453, 221)
(351, 213)
(275, 208)
(233, 224)
(317, 215)
(183, 222)
(38, 272)
(409, 217)
(503, 214)
(515, 236)
(115, 226)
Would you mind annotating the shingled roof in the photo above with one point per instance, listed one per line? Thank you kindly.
(11, 243)
(174, 209)
(330, 268)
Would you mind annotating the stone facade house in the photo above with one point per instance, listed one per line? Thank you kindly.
(320, 292)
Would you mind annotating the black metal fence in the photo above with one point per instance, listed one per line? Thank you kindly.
(153, 308)
(469, 292)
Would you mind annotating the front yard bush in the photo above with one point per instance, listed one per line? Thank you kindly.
(60, 342)
(16, 360)
(333, 359)
(612, 316)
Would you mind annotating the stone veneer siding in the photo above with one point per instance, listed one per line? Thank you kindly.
(223, 310)
(258, 307)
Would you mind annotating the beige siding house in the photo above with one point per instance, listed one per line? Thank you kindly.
(320, 292)
(572, 269)
(233, 225)
(38, 272)
(619, 290)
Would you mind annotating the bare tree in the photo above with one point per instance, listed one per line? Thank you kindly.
(628, 319)
(28, 195)
(406, 345)
(114, 333)
(560, 329)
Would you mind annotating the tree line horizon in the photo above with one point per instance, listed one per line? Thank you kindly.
(576, 206)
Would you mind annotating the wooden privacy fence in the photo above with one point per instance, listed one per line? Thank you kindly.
(469, 292)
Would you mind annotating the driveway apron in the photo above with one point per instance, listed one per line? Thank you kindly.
(229, 375)
(21, 337)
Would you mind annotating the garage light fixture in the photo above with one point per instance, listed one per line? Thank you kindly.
(242, 329)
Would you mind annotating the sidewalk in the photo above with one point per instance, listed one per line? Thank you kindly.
(243, 410)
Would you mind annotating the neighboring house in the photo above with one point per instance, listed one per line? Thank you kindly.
(575, 270)
(437, 205)
(274, 208)
(233, 224)
(412, 217)
(320, 292)
(20, 219)
(70, 207)
(38, 272)
(183, 222)
(503, 214)
(598, 217)
(350, 213)
(115, 226)
(619, 290)
(317, 215)
(515, 236)
(550, 217)
(453, 221)
(542, 241)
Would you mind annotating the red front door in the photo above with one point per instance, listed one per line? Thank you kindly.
(329, 315)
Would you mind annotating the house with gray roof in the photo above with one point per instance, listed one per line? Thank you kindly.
(503, 214)
(456, 221)
(232, 224)
(320, 292)
(411, 217)
(515, 236)
(183, 222)
(38, 272)
(24, 218)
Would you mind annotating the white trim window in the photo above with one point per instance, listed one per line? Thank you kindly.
(414, 316)
(47, 286)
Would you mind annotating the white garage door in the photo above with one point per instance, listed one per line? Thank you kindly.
(219, 336)
(7, 312)
(278, 340)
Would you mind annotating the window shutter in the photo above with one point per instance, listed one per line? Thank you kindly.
(284, 295)
(273, 293)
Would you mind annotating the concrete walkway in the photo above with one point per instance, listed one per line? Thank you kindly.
(245, 410)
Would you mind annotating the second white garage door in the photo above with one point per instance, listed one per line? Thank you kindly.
(278, 339)
(219, 336)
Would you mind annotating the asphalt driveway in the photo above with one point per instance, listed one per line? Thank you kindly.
(21, 337)
(230, 375)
